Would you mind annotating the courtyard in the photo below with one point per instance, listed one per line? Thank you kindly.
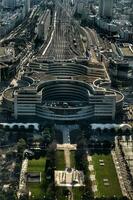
(36, 188)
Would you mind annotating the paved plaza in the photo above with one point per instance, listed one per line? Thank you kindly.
(69, 178)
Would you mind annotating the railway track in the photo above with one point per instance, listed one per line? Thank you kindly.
(61, 46)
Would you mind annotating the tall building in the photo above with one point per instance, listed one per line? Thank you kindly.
(27, 6)
(106, 8)
(11, 4)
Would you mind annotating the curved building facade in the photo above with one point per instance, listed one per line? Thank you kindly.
(64, 91)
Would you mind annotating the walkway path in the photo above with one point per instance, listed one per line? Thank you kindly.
(67, 147)
(22, 182)
(67, 158)
(92, 173)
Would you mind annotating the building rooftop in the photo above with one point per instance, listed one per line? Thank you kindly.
(127, 52)
(2, 51)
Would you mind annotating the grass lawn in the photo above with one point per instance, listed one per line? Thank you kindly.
(78, 192)
(106, 172)
(60, 160)
(72, 158)
(37, 189)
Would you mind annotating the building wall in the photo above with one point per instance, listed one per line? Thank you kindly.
(27, 6)
(25, 103)
(29, 104)
(9, 4)
(106, 8)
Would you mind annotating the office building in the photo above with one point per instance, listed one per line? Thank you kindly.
(106, 8)
(9, 4)
(27, 6)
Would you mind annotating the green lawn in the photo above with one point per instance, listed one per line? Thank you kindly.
(72, 158)
(78, 192)
(36, 165)
(60, 160)
(37, 189)
(106, 172)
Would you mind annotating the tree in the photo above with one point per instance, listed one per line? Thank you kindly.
(9, 195)
(7, 128)
(51, 151)
(17, 168)
(22, 128)
(127, 131)
(81, 142)
(9, 155)
(2, 196)
(105, 131)
(98, 131)
(24, 197)
(1, 126)
(1, 132)
(46, 139)
(47, 131)
(21, 146)
(31, 128)
(119, 131)
(113, 131)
